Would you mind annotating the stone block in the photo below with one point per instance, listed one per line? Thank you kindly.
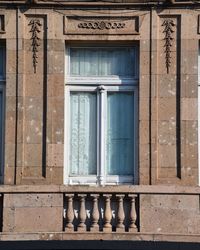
(33, 155)
(163, 213)
(167, 86)
(189, 62)
(9, 173)
(56, 85)
(189, 85)
(9, 154)
(33, 132)
(144, 135)
(167, 132)
(189, 132)
(167, 108)
(34, 85)
(55, 155)
(56, 62)
(144, 58)
(33, 213)
(167, 155)
(189, 108)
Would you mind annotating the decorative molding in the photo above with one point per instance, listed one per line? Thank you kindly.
(35, 30)
(101, 25)
(2, 24)
(168, 31)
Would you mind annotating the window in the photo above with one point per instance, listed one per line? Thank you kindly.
(2, 97)
(101, 115)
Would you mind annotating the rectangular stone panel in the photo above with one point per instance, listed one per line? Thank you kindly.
(168, 99)
(163, 213)
(34, 97)
(92, 25)
(33, 212)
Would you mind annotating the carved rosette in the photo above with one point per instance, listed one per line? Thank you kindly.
(168, 31)
(35, 40)
(101, 25)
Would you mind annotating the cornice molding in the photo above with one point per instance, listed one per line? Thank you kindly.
(98, 3)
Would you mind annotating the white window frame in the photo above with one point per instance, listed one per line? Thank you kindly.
(99, 85)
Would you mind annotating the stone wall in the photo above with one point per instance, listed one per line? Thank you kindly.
(36, 37)
(168, 51)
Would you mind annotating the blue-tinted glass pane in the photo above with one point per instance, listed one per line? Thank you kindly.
(2, 62)
(120, 133)
(102, 62)
(1, 132)
(83, 133)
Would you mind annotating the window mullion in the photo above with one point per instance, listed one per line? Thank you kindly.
(102, 123)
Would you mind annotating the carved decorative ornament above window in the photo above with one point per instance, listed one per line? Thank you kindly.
(101, 25)
(168, 31)
(35, 30)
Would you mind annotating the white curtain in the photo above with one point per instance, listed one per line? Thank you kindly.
(102, 62)
(120, 134)
(83, 131)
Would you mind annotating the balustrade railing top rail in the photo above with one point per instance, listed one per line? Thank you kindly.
(100, 212)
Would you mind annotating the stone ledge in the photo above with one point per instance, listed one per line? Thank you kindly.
(104, 3)
(54, 236)
(140, 189)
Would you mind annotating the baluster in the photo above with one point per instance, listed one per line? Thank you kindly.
(82, 213)
(133, 215)
(95, 213)
(107, 214)
(69, 213)
(121, 215)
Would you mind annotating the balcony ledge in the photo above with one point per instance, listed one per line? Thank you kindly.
(139, 189)
(55, 236)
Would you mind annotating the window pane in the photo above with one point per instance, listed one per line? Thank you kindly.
(2, 62)
(1, 133)
(102, 62)
(120, 133)
(83, 130)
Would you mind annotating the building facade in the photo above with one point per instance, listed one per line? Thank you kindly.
(99, 120)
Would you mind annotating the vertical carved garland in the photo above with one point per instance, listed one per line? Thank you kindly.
(168, 30)
(35, 30)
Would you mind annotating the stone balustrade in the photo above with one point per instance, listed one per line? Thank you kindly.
(100, 212)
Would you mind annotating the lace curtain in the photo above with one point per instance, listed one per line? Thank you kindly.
(83, 131)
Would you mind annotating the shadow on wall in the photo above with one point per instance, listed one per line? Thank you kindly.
(95, 245)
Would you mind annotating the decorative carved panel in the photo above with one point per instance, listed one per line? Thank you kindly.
(169, 99)
(35, 30)
(168, 31)
(35, 98)
(94, 25)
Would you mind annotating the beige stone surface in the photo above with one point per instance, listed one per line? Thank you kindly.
(169, 213)
(37, 206)
(32, 212)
